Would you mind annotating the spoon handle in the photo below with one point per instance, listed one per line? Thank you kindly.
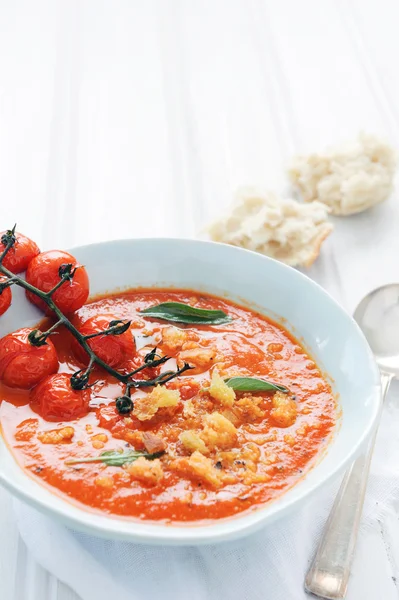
(329, 571)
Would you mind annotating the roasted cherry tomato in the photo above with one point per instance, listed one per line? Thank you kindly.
(44, 273)
(5, 297)
(23, 365)
(55, 400)
(112, 349)
(22, 252)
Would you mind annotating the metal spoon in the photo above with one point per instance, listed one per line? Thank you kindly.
(328, 575)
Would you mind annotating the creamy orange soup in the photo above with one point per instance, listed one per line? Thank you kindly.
(220, 452)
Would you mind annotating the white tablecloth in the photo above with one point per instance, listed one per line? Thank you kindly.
(121, 118)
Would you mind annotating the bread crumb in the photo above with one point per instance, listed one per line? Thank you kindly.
(105, 482)
(302, 429)
(148, 471)
(203, 467)
(248, 408)
(348, 179)
(231, 416)
(220, 391)
(289, 439)
(250, 477)
(56, 436)
(284, 411)
(189, 409)
(160, 397)
(191, 442)
(173, 338)
(218, 432)
(275, 347)
(201, 358)
(286, 230)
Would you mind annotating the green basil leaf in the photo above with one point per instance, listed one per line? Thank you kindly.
(253, 384)
(177, 312)
(114, 458)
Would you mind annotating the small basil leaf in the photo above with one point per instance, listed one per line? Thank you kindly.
(253, 384)
(115, 458)
(177, 312)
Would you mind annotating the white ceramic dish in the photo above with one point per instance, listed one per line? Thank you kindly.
(328, 332)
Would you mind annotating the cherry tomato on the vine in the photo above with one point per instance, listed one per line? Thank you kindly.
(43, 273)
(20, 254)
(112, 349)
(5, 297)
(23, 365)
(55, 400)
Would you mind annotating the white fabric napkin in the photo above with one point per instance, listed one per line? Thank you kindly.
(269, 565)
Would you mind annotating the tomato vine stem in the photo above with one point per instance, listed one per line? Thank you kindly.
(80, 378)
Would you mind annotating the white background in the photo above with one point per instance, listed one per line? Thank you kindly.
(121, 118)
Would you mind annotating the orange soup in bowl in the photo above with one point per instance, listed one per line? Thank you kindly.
(221, 415)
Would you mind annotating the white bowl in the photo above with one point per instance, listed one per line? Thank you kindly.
(331, 336)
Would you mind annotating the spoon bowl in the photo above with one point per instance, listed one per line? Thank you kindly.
(378, 317)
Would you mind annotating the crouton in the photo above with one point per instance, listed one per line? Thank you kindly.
(160, 397)
(56, 436)
(203, 468)
(201, 358)
(248, 408)
(231, 415)
(147, 471)
(192, 442)
(173, 338)
(218, 432)
(189, 409)
(220, 391)
(246, 458)
(284, 411)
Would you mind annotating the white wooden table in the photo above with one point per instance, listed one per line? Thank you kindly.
(122, 118)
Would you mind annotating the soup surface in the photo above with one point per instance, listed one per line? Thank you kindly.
(218, 452)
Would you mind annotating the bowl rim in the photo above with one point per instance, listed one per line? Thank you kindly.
(114, 527)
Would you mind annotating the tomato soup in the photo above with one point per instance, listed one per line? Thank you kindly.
(207, 446)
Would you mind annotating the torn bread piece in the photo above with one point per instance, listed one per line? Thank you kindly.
(348, 179)
(286, 230)
(147, 406)
(147, 471)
